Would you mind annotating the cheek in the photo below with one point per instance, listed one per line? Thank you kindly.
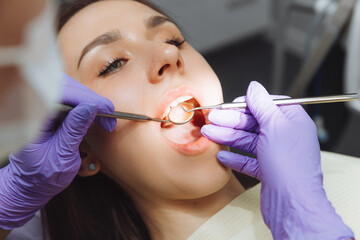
(137, 159)
(203, 77)
(127, 155)
(126, 93)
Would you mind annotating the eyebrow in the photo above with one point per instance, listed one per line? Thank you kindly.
(113, 36)
(155, 21)
(106, 38)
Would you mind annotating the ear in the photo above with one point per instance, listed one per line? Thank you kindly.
(90, 164)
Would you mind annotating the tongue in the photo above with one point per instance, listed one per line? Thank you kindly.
(181, 134)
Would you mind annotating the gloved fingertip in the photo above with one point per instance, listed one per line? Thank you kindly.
(232, 118)
(260, 103)
(204, 130)
(222, 156)
(239, 163)
(256, 88)
(215, 116)
(208, 130)
(105, 106)
(225, 159)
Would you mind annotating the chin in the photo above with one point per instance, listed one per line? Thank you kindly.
(204, 175)
(207, 185)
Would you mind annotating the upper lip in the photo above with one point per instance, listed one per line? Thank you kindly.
(175, 93)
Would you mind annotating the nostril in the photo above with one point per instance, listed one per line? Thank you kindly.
(161, 71)
(178, 64)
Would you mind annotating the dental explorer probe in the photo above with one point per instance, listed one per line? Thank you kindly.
(120, 115)
(286, 101)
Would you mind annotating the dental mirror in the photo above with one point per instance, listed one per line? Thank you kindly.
(180, 114)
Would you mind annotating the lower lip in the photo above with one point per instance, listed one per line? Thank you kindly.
(193, 148)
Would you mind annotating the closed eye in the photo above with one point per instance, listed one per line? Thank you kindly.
(175, 41)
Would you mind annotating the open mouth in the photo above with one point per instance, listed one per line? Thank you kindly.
(187, 138)
(186, 133)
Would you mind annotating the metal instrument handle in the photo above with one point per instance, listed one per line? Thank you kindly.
(287, 101)
(120, 115)
(302, 101)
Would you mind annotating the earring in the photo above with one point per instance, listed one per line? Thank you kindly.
(92, 166)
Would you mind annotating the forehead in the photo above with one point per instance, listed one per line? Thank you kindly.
(114, 12)
(125, 16)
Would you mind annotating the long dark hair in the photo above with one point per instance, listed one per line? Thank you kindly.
(92, 207)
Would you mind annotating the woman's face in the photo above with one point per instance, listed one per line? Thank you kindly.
(136, 57)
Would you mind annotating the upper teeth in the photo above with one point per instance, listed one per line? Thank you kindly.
(175, 103)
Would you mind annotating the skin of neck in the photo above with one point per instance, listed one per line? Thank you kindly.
(178, 219)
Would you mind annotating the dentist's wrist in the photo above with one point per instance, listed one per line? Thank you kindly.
(303, 215)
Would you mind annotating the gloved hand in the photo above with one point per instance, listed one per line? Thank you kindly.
(293, 201)
(47, 166)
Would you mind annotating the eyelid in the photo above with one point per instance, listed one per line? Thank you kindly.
(173, 34)
(105, 69)
(176, 41)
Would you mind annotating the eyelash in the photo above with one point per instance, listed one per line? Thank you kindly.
(110, 64)
(176, 41)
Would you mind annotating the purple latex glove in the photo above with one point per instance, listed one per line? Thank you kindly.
(293, 201)
(47, 166)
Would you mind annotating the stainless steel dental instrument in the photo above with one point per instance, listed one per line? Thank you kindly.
(286, 101)
(120, 115)
(279, 102)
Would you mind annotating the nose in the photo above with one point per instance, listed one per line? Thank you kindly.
(166, 61)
